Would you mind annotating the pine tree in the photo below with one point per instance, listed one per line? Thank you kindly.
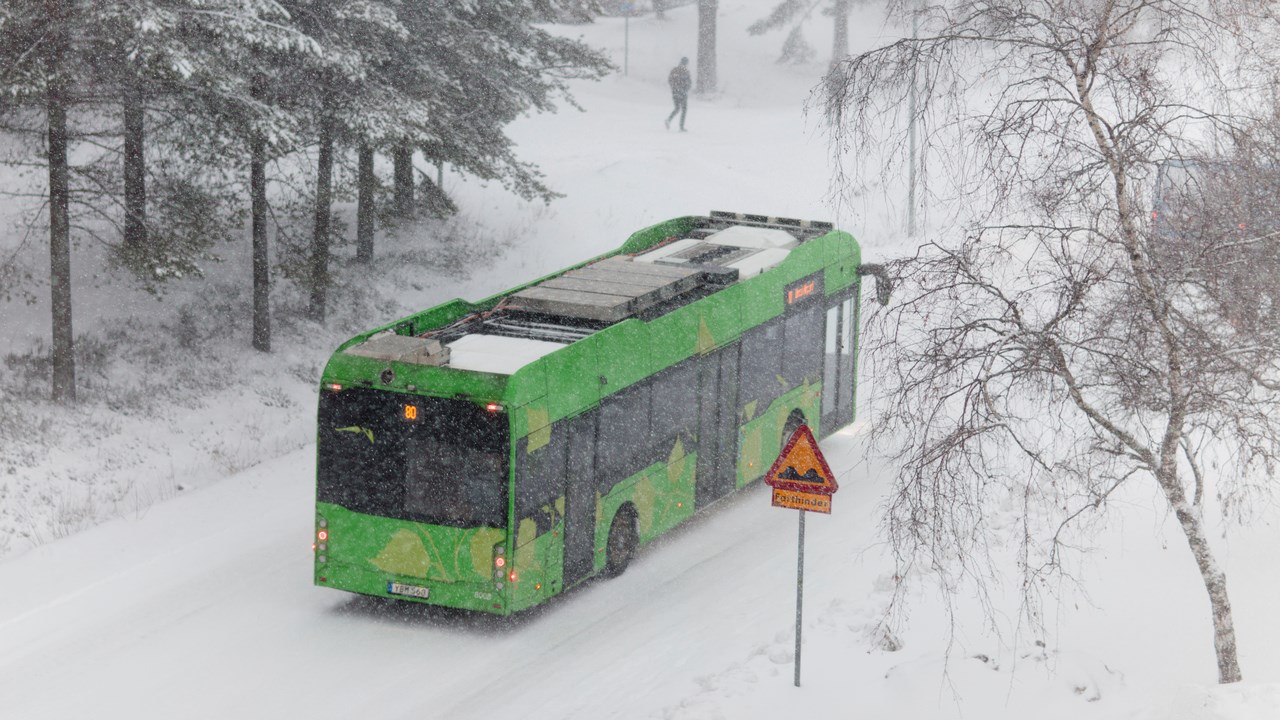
(199, 68)
(481, 66)
(342, 94)
(37, 76)
(795, 14)
(451, 84)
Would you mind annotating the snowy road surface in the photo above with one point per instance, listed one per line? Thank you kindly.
(204, 608)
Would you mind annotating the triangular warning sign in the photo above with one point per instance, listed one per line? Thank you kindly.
(801, 467)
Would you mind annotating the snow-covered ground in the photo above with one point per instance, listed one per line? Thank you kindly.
(200, 605)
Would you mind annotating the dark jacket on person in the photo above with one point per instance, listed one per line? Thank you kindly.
(679, 80)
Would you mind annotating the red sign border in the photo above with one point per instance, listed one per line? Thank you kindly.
(771, 477)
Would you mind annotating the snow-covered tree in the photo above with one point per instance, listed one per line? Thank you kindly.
(175, 97)
(483, 65)
(794, 15)
(476, 68)
(1059, 347)
(175, 70)
(37, 74)
(446, 78)
(152, 93)
(340, 94)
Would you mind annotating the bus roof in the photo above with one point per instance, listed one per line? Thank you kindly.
(476, 349)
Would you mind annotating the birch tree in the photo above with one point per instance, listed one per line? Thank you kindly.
(1055, 347)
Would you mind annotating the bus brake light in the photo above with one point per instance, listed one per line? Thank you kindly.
(512, 576)
(500, 561)
(493, 407)
(322, 535)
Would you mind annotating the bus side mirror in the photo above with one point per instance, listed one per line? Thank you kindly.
(884, 284)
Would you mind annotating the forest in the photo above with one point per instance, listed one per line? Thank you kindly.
(163, 127)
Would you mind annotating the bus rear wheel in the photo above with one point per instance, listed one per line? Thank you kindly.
(621, 546)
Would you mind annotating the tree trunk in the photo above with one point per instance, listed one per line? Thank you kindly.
(1215, 580)
(403, 161)
(840, 49)
(320, 238)
(135, 175)
(261, 266)
(707, 46)
(366, 183)
(63, 358)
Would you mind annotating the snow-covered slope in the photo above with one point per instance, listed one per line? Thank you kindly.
(201, 606)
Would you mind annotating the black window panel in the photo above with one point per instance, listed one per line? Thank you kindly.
(803, 340)
(831, 354)
(675, 404)
(761, 365)
(540, 474)
(580, 433)
(446, 467)
(623, 437)
(540, 477)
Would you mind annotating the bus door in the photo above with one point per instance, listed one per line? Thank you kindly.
(717, 425)
(580, 500)
(837, 369)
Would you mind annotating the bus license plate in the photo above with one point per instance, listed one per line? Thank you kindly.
(396, 588)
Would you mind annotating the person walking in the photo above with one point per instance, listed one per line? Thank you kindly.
(680, 83)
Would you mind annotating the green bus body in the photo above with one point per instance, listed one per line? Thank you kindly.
(494, 492)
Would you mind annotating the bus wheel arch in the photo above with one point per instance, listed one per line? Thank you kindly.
(624, 537)
(793, 423)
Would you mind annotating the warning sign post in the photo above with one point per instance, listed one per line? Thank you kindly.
(801, 480)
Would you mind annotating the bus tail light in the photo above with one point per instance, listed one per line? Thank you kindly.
(493, 407)
(499, 561)
(512, 576)
(321, 545)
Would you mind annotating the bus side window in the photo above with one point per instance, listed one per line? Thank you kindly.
(623, 440)
(761, 365)
(803, 340)
(675, 405)
(540, 479)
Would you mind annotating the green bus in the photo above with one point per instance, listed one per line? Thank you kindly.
(491, 455)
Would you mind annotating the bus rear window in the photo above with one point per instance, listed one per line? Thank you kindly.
(409, 457)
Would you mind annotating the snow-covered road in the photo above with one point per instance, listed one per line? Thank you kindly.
(204, 608)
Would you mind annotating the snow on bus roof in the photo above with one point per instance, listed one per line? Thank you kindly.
(497, 353)
(754, 237)
(750, 250)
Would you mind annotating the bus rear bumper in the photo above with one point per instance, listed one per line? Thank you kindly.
(483, 597)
